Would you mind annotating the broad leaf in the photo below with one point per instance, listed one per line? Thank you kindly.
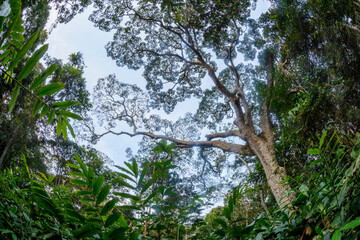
(127, 195)
(108, 206)
(23, 51)
(112, 218)
(70, 114)
(65, 104)
(42, 77)
(103, 194)
(31, 62)
(97, 185)
(50, 89)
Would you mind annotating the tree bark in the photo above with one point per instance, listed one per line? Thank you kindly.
(275, 174)
(8, 145)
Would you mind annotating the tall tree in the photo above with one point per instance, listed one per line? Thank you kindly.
(177, 43)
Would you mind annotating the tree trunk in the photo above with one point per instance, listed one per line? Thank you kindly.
(275, 174)
(8, 144)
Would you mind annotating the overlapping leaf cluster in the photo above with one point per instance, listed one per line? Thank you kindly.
(14, 50)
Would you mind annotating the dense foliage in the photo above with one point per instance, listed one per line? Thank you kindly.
(291, 120)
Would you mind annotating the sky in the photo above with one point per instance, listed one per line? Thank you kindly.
(79, 35)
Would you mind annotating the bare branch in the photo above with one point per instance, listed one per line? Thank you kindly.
(225, 146)
(225, 135)
(244, 162)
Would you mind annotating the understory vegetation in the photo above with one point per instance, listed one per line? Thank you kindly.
(279, 135)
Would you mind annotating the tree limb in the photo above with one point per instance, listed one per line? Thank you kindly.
(265, 113)
(225, 146)
(232, 133)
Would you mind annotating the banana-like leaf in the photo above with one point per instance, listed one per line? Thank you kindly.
(70, 114)
(42, 77)
(65, 104)
(44, 111)
(64, 129)
(79, 182)
(37, 107)
(97, 185)
(126, 195)
(108, 206)
(14, 98)
(20, 55)
(31, 62)
(112, 218)
(58, 126)
(81, 164)
(143, 173)
(103, 194)
(50, 89)
(125, 170)
(51, 116)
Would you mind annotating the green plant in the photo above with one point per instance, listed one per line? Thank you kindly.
(14, 51)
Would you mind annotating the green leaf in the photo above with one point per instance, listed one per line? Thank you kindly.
(70, 114)
(51, 116)
(37, 107)
(125, 170)
(322, 139)
(130, 167)
(83, 193)
(118, 233)
(23, 51)
(46, 204)
(70, 128)
(65, 104)
(58, 126)
(317, 161)
(143, 173)
(169, 191)
(112, 218)
(135, 167)
(123, 183)
(221, 222)
(5, 54)
(86, 231)
(64, 129)
(97, 185)
(103, 194)
(14, 98)
(91, 176)
(337, 235)
(314, 151)
(77, 174)
(16, 43)
(126, 195)
(147, 185)
(44, 111)
(76, 215)
(125, 176)
(79, 182)
(17, 36)
(42, 77)
(150, 197)
(31, 62)
(351, 225)
(73, 166)
(50, 89)
(51, 178)
(127, 207)
(81, 164)
(108, 206)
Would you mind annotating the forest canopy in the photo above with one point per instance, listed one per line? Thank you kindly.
(276, 126)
